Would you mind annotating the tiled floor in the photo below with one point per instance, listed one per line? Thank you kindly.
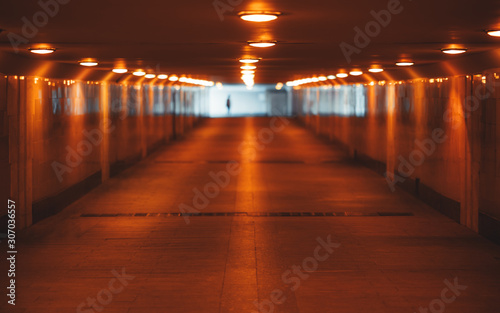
(226, 263)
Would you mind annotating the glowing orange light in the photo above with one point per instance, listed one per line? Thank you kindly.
(259, 17)
(120, 70)
(454, 50)
(249, 60)
(42, 50)
(262, 44)
(494, 32)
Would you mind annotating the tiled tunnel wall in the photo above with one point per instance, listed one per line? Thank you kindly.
(4, 141)
(78, 134)
(389, 126)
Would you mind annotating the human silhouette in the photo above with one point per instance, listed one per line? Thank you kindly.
(228, 104)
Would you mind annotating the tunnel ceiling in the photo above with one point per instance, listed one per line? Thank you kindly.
(191, 37)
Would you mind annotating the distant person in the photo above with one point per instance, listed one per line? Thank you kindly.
(228, 104)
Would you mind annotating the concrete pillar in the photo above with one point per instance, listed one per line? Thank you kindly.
(318, 117)
(469, 208)
(390, 131)
(497, 128)
(20, 111)
(142, 109)
(105, 120)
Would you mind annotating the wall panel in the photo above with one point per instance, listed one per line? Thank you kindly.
(391, 124)
(64, 137)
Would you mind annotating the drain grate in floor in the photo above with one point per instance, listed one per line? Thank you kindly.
(253, 214)
(280, 162)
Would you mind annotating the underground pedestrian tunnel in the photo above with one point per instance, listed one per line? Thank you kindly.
(250, 156)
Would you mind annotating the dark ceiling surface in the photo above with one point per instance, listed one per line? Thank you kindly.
(190, 37)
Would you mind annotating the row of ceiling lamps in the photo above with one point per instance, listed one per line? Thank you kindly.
(248, 68)
(341, 74)
(248, 77)
(374, 68)
(358, 72)
(271, 16)
(248, 71)
(139, 73)
(260, 17)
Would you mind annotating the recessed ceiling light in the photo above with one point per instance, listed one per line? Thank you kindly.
(89, 62)
(331, 77)
(249, 60)
(342, 75)
(248, 67)
(42, 50)
(162, 76)
(322, 78)
(375, 70)
(454, 50)
(139, 73)
(405, 64)
(259, 16)
(247, 72)
(494, 32)
(150, 76)
(356, 73)
(120, 70)
(173, 78)
(262, 44)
